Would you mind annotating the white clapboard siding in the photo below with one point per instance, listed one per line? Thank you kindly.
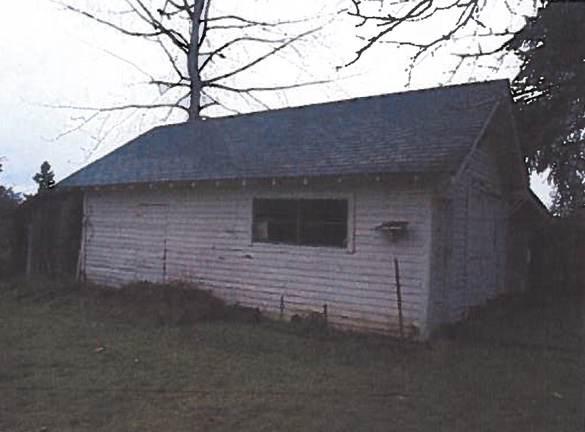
(203, 234)
(477, 219)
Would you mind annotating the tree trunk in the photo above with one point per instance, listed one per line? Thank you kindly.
(193, 62)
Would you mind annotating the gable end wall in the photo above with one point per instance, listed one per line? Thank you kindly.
(477, 203)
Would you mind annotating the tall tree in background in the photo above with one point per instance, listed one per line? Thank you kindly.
(8, 198)
(208, 51)
(45, 179)
(550, 95)
(548, 91)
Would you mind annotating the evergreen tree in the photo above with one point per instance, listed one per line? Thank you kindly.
(550, 95)
(45, 178)
(8, 198)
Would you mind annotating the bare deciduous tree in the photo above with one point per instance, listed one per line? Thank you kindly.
(470, 28)
(208, 51)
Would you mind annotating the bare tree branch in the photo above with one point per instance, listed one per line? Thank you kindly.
(173, 62)
(117, 108)
(216, 102)
(195, 38)
(390, 23)
(84, 121)
(218, 51)
(176, 38)
(146, 35)
(261, 58)
(204, 22)
(266, 89)
(252, 23)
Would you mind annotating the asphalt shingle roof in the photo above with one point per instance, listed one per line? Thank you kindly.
(417, 131)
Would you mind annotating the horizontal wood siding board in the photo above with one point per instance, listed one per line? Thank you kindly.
(376, 269)
(294, 293)
(207, 236)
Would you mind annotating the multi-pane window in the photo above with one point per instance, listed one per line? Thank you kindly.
(309, 222)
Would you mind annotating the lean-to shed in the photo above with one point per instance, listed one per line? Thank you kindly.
(296, 208)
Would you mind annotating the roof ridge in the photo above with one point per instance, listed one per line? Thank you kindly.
(496, 82)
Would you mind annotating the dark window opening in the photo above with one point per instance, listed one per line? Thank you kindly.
(308, 222)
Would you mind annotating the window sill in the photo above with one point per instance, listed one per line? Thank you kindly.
(286, 247)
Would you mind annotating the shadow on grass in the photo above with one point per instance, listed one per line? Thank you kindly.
(141, 302)
(180, 304)
(533, 319)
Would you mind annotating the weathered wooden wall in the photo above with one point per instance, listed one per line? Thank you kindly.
(469, 231)
(8, 238)
(203, 234)
(49, 228)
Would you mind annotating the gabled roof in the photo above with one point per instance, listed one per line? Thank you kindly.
(528, 203)
(417, 132)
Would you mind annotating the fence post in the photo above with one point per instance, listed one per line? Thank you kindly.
(399, 298)
(281, 306)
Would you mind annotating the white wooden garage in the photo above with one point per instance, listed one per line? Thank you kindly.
(294, 209)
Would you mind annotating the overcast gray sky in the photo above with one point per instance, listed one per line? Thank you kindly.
(50, 58)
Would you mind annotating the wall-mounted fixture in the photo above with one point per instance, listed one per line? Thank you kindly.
(395, 229)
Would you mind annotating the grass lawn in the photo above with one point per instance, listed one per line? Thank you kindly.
(71, 360)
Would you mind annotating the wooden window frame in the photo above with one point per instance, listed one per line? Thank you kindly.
(349, 222)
